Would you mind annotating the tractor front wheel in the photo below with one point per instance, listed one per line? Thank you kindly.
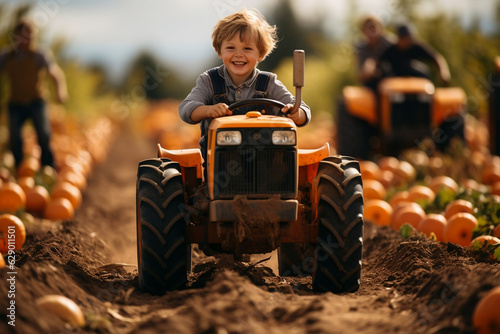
(162, 250)
(339, 194)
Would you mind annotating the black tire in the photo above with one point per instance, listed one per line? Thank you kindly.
(162, 251)
(353, 134)
(340, 225)
(453, 127)
(296, 259)
(494, 113)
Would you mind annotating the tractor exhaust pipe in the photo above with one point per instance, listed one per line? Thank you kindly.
(298, 77)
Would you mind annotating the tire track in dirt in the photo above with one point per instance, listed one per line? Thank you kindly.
(109, 202)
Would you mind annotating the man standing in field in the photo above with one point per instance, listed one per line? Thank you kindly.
(24, 66)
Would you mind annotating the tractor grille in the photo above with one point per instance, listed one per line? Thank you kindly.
(410, 122)
(413, 112)
(256, 171)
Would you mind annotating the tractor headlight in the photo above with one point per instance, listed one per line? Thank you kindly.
(225, 138)
(424, 98)
(284, 137)
(397, 98)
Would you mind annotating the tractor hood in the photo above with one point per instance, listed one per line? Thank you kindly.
(252, 119)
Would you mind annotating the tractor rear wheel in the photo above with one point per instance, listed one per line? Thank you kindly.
(453, 127)
(162, 250)
(339, 194)
(354, 134)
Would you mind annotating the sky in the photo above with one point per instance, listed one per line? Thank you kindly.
(111, 32)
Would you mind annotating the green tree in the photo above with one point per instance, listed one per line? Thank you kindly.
(469, 52)
(151, 78)
(292, 34)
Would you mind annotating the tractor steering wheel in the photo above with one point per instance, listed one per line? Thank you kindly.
(258, 101)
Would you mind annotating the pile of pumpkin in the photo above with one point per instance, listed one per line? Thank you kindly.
(452, 197)
(413, 195)
(33, 191)
(161, 123)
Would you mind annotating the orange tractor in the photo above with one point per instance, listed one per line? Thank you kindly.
(403, 112)
(262, 193)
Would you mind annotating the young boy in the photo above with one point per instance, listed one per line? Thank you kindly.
(241, 41)
(24, 66)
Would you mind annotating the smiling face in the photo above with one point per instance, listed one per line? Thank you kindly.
(240, 55)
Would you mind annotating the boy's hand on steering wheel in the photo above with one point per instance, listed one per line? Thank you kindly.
(294, 116)
(219, 110)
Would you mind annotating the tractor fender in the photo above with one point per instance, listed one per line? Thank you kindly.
(361, 102)
(309, 161)
(187, 158)
(448, 102)
(311, 156)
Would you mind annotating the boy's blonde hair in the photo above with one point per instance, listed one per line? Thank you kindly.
(248, 24)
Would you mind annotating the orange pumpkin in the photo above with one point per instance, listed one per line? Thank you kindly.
(485, 240)
(405, 171)
(491, 174)
(459, 228)
(5, 174)
(37, 198)
(421, 193)
(400, 197)
(495, 188)
(68, 191)
(486, 316)
(369, 170)
(496, 231)
(12, 197)
(433, 223)
(389, 163)
(59, 209)
(12, 233)
(28, 167)
(26, 182)
(456, 206)
(407, 214)
(443, 182)
(373, 189)
(74, 177)
(378, 211)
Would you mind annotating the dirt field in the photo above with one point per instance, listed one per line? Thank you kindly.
(415, 286)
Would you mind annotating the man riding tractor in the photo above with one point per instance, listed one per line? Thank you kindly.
(404, 107)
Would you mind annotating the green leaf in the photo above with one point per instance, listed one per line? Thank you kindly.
(483, 221)
(406, 231)
(495, 212)
(477, 246)
(496, 255)
(443, 197)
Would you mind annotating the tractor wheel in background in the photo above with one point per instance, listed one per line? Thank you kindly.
(453, 127)
(353, 134)
(162, 251)
(339, 192)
